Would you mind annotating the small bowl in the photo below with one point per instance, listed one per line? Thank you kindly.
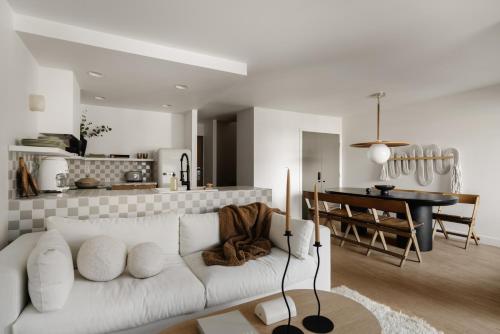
(87, 183)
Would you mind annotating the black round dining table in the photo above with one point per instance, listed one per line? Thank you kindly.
(420, 203)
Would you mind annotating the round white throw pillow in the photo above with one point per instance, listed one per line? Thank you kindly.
(102, 258)
(145, 260)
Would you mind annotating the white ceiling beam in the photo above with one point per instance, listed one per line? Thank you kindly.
(70, 33)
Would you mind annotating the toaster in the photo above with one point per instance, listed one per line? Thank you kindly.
(133, 176)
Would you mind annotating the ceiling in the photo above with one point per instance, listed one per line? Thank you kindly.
(321, 56)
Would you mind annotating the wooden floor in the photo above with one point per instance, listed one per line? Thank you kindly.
(456, 291)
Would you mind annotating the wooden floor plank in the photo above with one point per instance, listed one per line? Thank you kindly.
(456, 291)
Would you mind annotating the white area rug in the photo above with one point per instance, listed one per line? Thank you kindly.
(390, 320)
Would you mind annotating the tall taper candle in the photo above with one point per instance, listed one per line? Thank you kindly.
(287, 214)
(316, 212)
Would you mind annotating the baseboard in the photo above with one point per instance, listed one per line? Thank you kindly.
(492, 241)
(484, 239)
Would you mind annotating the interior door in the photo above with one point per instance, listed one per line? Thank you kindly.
(320, 162)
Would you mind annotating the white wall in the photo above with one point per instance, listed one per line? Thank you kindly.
(277, 145)
(190, 141)
(469, 122)
(62, 101)
(244, 148)
(134, 131)
(18, 77)
(77, 108)
(201, 129)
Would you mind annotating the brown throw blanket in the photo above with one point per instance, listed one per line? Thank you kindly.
(244, 233)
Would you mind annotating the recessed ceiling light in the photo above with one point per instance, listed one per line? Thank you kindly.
(166, 105)
(99, 98)
(95, 74)
(181, 87)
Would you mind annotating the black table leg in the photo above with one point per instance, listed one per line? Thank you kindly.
(421, 214)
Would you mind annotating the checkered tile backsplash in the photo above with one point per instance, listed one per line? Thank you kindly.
(28, 215)
(106, 171)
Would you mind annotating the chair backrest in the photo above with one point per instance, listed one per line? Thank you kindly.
(361, 202)
(311, 207)
(371, 203)
(471, 199)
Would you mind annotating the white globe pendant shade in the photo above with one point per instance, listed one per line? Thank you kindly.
(379, 153)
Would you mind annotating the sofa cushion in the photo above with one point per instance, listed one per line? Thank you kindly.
(198, 232)
(162, 229)
(145, 260)
(125, 302)
(302, 231)
(50, 272)
(224, 284)
(102, 258)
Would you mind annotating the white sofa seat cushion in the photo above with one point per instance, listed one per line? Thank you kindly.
(225, 284)
(125, 302)
(162, 229)
(198, 232)
(50, 272)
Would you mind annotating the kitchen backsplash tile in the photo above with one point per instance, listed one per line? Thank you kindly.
(106, 171)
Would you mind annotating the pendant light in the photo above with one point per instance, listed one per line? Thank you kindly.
(379, 151)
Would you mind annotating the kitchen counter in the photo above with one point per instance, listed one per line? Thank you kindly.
(29, 214)
(100, 192)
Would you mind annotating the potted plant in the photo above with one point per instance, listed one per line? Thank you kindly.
(89, 130)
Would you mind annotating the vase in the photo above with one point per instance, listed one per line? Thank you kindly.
(83, 146)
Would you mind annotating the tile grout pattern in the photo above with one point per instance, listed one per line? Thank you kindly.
(105, 171)
(28, 215)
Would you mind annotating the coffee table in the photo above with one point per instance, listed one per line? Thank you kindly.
(347, 315)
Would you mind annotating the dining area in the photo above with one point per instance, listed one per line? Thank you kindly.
(368, 217)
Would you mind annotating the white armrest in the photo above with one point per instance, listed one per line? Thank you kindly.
(324, 281)
(13, 279)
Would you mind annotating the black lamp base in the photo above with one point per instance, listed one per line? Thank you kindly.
(285, 329)
(318, 324)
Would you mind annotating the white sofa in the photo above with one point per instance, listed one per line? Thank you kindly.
(186, 289)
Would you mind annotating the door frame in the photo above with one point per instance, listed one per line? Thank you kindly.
(301, 134)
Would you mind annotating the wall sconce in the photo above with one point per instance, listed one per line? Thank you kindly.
(37, 102)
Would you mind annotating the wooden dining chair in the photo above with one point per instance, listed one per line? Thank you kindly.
(323, 212)
(384, 223)
(441, 217)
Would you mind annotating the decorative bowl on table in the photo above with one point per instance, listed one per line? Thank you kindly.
(384, 188)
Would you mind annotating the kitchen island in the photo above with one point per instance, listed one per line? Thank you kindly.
(28, 214)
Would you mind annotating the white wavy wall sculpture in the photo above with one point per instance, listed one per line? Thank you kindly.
(425, 169)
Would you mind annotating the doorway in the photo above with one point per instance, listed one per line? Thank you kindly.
(226, 153)
(320, 162)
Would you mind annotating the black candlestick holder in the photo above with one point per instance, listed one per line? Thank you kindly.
(318, 323)
(288, 328)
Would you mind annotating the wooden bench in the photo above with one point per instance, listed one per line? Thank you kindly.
(371, 219)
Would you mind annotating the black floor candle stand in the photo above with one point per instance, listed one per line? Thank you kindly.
(287, 329)
(317, 323)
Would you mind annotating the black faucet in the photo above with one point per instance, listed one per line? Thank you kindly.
(185, 182)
